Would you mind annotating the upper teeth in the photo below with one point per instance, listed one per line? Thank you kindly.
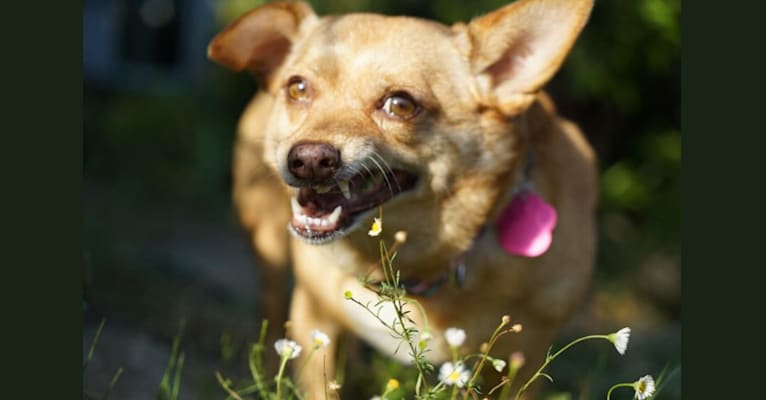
(343, 185)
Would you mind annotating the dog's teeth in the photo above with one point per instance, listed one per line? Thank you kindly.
(343, 185)
(332, 219)
(323, 189)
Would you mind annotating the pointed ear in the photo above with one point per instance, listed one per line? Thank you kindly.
(261, 39)
(517, 49)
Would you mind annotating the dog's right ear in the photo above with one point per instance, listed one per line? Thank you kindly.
(260, 40)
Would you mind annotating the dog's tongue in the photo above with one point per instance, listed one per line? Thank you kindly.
(526, 226)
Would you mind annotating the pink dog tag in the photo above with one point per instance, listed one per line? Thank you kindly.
(526, 226)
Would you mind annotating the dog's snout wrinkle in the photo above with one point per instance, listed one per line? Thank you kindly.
(313, 162)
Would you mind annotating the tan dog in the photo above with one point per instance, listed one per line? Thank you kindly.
(435, 124)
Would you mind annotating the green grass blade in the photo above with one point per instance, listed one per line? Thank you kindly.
(112, 383)
(93, 344)
(177, 378)
(164, 392)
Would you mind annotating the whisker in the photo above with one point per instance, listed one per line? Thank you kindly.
(385, 176)
(367, 169)
(383, 160)
(350, 171)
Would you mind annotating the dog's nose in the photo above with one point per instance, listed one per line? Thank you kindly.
(313, 161)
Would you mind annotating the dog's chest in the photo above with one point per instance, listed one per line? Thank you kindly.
(376, 321)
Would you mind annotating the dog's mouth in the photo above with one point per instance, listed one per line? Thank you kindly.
(323, 213)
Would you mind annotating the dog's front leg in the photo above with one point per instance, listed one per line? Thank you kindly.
(316, 364)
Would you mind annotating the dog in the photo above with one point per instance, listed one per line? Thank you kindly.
(448, 132)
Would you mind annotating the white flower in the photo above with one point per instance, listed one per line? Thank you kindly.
(454, 374)
(377, 227)
(455, 337)
(620, 340)
(287, 348)
(376, 398)
(498, 364)
(644, 387)
(319, 338)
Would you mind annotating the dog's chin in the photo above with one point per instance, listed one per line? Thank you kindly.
(324, 213)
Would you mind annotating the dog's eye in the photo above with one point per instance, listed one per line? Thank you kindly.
(400, 105)
(297, 89)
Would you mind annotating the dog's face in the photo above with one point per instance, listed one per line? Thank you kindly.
(371, 110)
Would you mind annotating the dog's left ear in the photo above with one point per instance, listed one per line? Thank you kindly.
(515, 50)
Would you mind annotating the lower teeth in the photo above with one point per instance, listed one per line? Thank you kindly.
(329, 220)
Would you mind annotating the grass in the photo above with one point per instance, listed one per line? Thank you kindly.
(89, 357)
(392, 381)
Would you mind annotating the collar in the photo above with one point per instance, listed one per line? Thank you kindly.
(454, 276)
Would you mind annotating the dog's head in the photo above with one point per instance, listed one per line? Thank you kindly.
(371, 109)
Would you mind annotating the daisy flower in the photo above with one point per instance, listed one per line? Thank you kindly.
(377, 227)
(620, 339)
(454, 374)
(287, 348)
(319, 338)
(498, 364)
(644, 387)
(455, 337)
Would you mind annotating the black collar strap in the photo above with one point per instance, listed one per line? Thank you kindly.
(454, 275)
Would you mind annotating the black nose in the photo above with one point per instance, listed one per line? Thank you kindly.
(313, 161)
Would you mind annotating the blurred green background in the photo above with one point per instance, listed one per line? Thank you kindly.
(163, 250)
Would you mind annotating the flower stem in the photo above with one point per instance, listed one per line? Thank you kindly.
(550, 358)
(609, 393)
(510, 377)
(496, 334)
(282, 364)
(305, 362)
(398, 301)
(454, 393)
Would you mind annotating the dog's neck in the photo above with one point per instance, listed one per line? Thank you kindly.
(457, 268)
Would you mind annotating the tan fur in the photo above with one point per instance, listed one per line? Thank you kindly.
(480, 89)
